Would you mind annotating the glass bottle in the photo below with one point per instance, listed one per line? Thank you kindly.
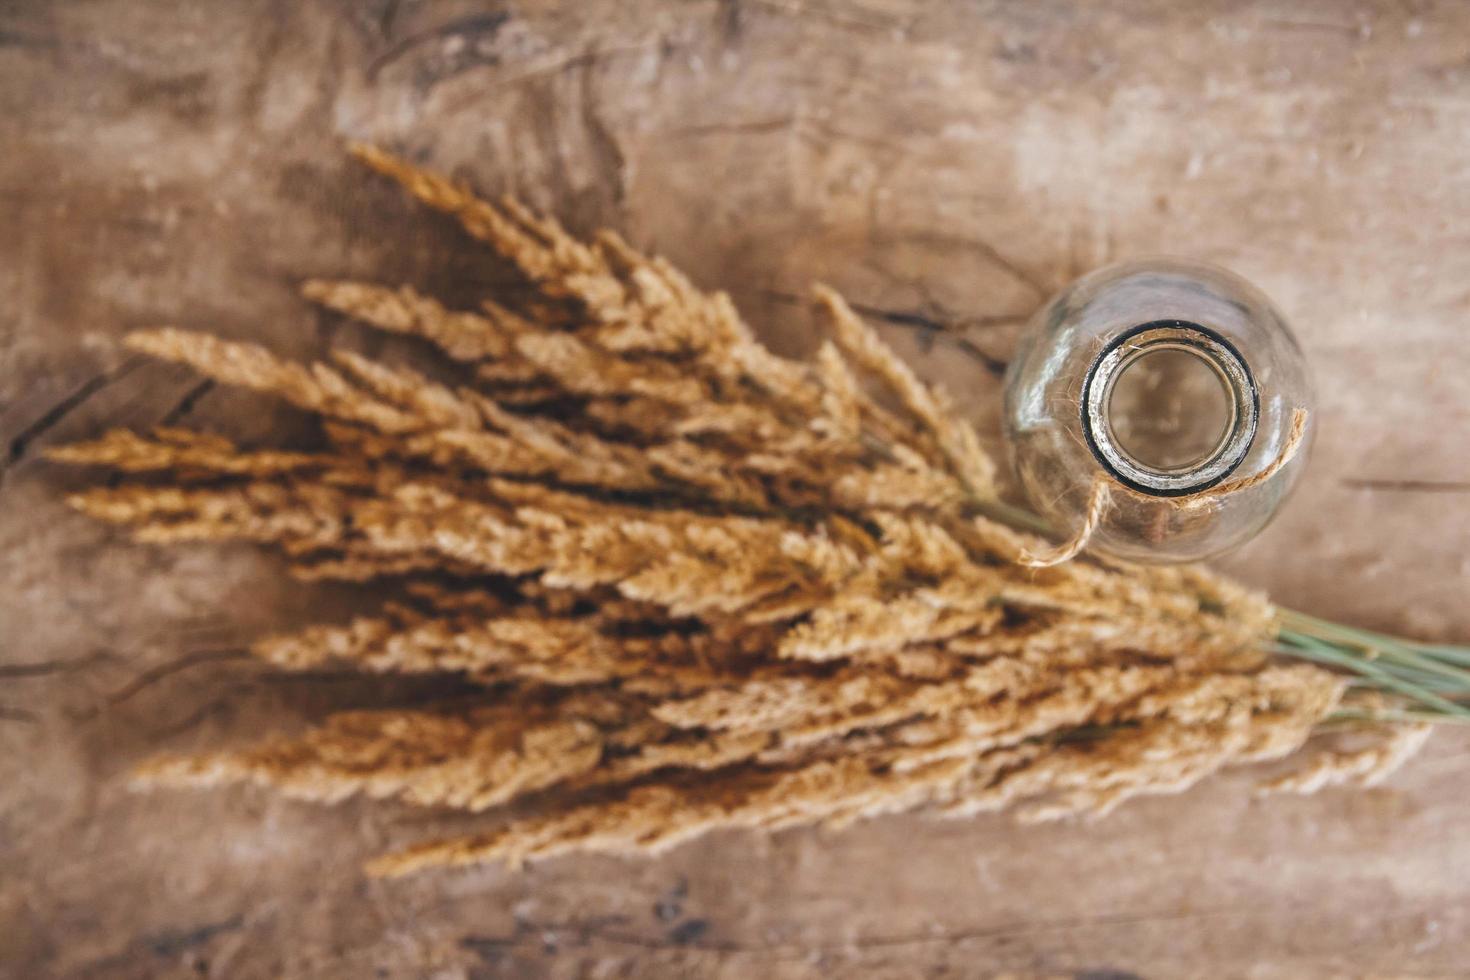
(1179, 389)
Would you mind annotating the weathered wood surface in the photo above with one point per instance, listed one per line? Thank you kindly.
(944, 164)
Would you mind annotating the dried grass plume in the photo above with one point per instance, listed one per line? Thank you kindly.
(697, 585)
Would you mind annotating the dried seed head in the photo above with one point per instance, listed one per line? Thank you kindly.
(703, 585)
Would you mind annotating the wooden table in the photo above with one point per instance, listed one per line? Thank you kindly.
(947, 166)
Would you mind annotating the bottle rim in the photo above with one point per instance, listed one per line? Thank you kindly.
(1215, 351)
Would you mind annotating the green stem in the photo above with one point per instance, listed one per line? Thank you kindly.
(1370, 641)
(1309, 648)
(1400, 661)
(1011, 515)
(1353, 716)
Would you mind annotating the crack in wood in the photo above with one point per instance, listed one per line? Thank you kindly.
(21, 443)
(560, 64)
(989, 252)
(388, 18)
(473, 26)
(584, 933)
(1409, 486)
(174, 942)
(605, 147)
(186, 403)
(11, 38)
(42, 668)
(731, 20)
(930, 328)
(208, 709)
(754, 127)
(153, 675)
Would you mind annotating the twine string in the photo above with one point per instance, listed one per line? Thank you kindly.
(1100, 497)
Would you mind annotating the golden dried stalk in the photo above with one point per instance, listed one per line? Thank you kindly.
(700, 585)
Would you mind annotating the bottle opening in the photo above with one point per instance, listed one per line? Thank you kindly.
(1170, 408)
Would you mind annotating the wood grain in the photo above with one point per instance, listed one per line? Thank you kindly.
(945, 165)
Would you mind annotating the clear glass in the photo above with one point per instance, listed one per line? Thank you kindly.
(1168, 378)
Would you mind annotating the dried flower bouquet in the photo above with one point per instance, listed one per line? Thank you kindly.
(704, 586)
